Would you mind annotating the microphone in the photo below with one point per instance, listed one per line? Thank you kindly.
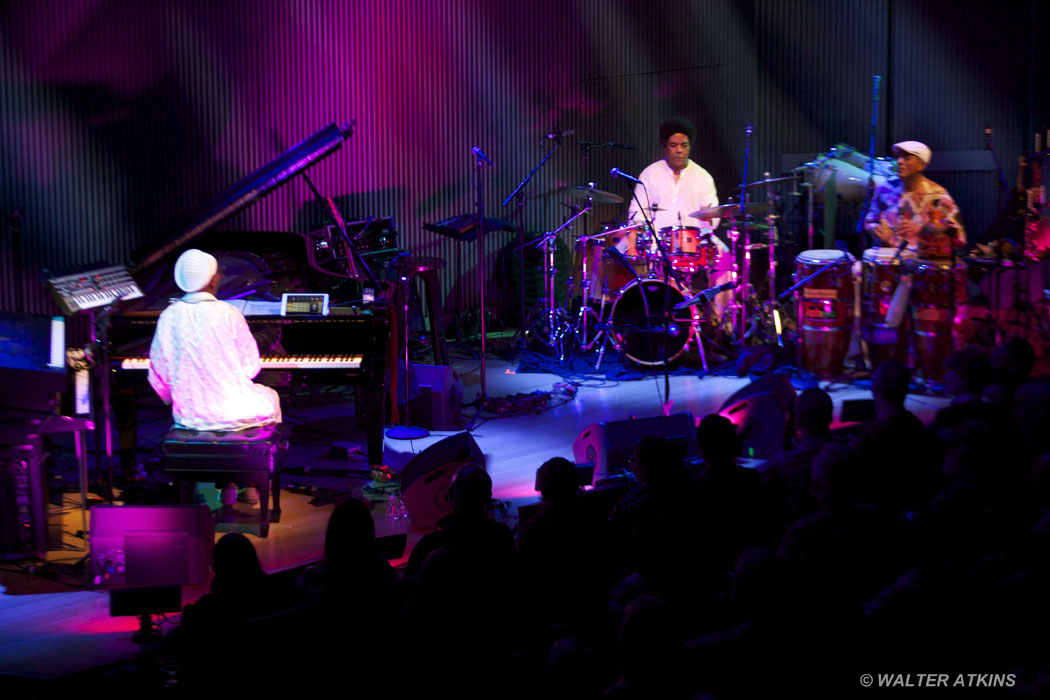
(481, 156)
(557, 133)
(748, 130)
(614, 253)
(616, 172)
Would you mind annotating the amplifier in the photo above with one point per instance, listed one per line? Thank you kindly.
(23, 502)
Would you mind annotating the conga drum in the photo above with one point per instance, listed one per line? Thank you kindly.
(938, 289)
(825, 311)
(881, 272)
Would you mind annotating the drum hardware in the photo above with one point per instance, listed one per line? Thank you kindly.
(557, 325)
(518, 195)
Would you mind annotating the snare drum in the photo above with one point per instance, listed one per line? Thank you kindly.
(825, 311)
(939, 287)
(879, 279)
(690, 251)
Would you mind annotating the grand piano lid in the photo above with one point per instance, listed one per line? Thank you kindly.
(245, 191)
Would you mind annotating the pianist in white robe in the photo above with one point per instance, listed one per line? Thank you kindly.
(203, 357)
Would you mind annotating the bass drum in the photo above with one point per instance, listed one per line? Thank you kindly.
(649, 339)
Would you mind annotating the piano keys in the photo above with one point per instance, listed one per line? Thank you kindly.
(289, 362)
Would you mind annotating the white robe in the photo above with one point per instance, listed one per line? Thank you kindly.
(202, 361)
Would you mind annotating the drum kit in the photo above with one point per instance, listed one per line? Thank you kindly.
(649, 294)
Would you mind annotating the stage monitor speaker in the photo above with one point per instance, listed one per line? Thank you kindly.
(151, 545)
(440, 398)
(778, 384)
(610, 445)
(761, 424)
(425, 479)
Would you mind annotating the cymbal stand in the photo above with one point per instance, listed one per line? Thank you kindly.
(583, 316)
(771, 310)
(557, 328)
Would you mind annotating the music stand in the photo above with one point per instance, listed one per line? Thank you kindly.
(406, 431)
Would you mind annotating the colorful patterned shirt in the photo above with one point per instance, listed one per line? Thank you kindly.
(930, 206)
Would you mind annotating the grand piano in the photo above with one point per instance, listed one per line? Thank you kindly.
(349, 345)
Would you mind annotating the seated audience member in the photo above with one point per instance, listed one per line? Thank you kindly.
(967, 374)
(836, 551)
(1032, 420)
(1012, 362)
(561, 549)
(240, 591)
(661, 480)
(729, 499)
(651, 653)
(895, 447)
(353, 570)
(468, 532)
(763, 626)
(574, 671)
(787, 476)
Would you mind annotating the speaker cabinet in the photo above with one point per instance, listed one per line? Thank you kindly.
(760, 423)
(425, 479)
(440, 398)
(610, 445)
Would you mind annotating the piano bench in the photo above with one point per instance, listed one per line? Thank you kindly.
(253, 455)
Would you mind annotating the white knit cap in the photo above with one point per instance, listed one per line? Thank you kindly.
(916, 148)
(194, 270)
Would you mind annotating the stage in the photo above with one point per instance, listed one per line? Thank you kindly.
(52, 629)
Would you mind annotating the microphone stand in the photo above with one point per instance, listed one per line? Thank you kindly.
(871, 161)
(742, 285)
(519, 196)
(479, 163)
(669, 272)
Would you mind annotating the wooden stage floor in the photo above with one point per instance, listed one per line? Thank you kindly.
(64, 630)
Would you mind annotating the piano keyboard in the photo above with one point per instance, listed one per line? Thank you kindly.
(277, 362)
(89, 290)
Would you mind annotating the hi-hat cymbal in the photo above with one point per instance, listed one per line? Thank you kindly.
(770, 181)
(593, 193)
(722, 210)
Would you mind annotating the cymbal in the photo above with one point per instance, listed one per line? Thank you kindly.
(721, 210)
(584, 192)
(770, 181)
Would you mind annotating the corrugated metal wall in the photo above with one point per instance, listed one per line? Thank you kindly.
(116, 117)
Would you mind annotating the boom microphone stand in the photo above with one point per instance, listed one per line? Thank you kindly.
(480, 161)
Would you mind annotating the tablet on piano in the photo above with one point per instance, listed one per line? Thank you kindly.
(297, 304)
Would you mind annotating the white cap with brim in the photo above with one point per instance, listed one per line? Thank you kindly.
(916, 148)
(194, 270)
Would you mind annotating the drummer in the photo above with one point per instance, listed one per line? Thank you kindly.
(915, 210)
(676, 187)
